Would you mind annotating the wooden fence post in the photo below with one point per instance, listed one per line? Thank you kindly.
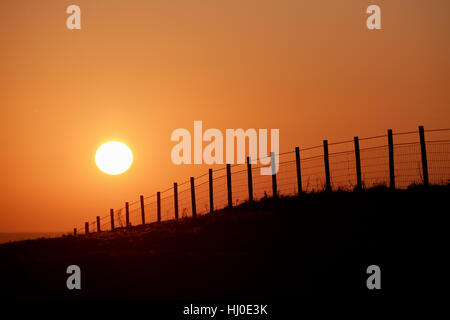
(74, 231)
(299, 170)
(111, 213)
(211, 193)
(274, 175)
(358, 164)
(175, 199)
(98, 224)
(230, 195)
(250, 180)
(86, 227)
(194, 208)
(158, 205)
(142, 209)
(423, 150)
(327, 165)
(127, 214)
(391, 159)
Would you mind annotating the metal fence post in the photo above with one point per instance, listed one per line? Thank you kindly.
(111, 213)
(98, 224)
(74, 231)
(211, 193)
(142, 209)
(194, 208)
(127, 214)
(158, 206)
(86, 227)
(327, 165)
(358, 164)
(175, 199)
(423, 150)
(391, 159)
(299, 170)
(250, 180)
(274, 175)
(230, 195)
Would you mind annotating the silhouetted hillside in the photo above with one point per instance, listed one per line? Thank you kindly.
(19, 236)
(314, 244)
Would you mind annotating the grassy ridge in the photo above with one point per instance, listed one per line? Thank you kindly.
(282, 248)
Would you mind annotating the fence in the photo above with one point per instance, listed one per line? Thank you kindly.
(395, 160)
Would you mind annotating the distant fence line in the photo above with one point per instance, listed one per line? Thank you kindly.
(313, 169)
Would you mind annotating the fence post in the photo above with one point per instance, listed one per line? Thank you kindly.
(327, 165)
(391, 159)
(230, 196)
(274, 175)
(358, 164)
(423, 150)
(299, 170)
(250, 180)
(142, 209)
(74, 231)
(194, 209)
(175, 199)
(86, 227)
(127, 214)
(158, 205)
(111, 213)
(211, 194)
(98, 224)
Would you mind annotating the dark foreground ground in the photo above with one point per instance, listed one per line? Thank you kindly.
(316, 245)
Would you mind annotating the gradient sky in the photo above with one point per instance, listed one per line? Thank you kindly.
(137, 70)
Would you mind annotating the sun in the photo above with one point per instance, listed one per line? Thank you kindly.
(113, 157)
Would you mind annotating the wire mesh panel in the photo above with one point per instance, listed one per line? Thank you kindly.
(119, 218)
(239, 183)
(93, 226)
(167, 205)
(343, 170)
(150, 209)
(375, 166)
(407, 164)
(105, 224)
(135, 213)
(287, 175)
(313, 174)
(262, 184)
(202, 194)
(184, 200)
(438, 154)
(220, 189)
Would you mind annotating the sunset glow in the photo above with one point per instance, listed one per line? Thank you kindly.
(137, 71)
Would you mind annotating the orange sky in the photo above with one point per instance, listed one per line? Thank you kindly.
(137, 70)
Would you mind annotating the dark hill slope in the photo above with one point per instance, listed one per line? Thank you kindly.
(314, 244)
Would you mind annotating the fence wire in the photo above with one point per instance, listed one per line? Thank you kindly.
(375, 170)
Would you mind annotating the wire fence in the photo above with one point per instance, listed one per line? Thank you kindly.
(394, 160)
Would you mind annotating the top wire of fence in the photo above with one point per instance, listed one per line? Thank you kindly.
(372, 164)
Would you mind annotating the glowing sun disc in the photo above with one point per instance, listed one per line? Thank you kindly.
(113, 157)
